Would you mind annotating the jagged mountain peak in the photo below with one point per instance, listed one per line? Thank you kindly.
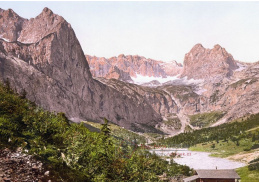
(121, 56)
(202, 63)
(197, 46)
(217, 46)
(49, 14)
(129, 67)
(44, 24)
(11, 25)
(47, 11)
(9, 12)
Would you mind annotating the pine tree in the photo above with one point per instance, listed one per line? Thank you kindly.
(105, 130)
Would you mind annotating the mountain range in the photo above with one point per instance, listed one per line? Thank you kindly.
(43, 56)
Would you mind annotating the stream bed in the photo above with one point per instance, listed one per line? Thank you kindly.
(198, 160)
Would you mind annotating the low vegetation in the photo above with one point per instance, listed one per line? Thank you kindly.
(72, 152)
(182, 92)
(214, 97)
(174, 122)
(121, 133)
(240, 136)
(247, 175)
(234, 131)
(204, 120)
(247, 81)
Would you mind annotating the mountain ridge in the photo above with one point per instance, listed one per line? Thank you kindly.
(53, 69)
(55, 74)
(131, 66)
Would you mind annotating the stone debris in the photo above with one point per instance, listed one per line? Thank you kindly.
(19, 167)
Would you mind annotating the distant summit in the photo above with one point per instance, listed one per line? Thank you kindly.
(202, 63)
(130, 66)
(11, 25)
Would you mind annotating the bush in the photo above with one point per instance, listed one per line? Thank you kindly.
(70, 150)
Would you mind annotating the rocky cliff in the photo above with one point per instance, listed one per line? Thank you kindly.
(127, 67)
(43, 56)
(211, 81)
(202, 63)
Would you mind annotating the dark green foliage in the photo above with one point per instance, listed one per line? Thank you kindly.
(70, 151)
(229, 131)
(247, 81)
(254, 164)
(205, 119)
(214, 97)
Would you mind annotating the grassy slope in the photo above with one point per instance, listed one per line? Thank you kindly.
(247, 175)
(233, 139)
(225, 149)
(72, 152)
(205, 119)
(228, 148)
(120, 132)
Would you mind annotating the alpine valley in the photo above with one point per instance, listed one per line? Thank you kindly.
(42, 60)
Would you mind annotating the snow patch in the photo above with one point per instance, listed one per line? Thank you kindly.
(240, 67)
(140, 79)
(144, 80)
(191, 81)
(6, 40)
(200, 91)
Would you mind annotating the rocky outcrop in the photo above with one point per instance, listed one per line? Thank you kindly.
(11, 25)
(172, 68)
(201, 63)
(16, 166)
(160, 100)
(125, 67)
(101, 67)
(46, 59)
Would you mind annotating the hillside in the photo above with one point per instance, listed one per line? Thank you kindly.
(69, 151)
(212, 85)
(43, 56)
(237, 140)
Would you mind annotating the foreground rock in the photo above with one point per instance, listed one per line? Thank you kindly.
(19, 167)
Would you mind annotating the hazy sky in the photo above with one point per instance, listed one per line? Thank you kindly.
(159, 30)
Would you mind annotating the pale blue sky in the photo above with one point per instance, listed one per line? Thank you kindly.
(158, 30)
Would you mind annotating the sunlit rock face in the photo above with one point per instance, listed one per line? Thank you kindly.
(43, 56)
(127, 68)
(202, 63)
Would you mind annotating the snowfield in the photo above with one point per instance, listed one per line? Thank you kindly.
(140, 80)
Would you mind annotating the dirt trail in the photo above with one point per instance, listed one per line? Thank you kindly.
(245, 157)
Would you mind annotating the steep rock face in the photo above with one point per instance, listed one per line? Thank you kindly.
(172, 68)
(11, 25)
(160, 100)
(101, 67)
(201, 63)
(47, 61)
(129, 66)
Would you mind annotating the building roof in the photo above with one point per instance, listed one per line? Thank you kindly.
(192, 178)
(218, 173)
